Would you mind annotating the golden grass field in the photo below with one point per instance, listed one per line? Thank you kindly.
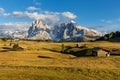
(39, 62)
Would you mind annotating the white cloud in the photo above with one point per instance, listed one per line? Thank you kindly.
(17, 24)
(108, 25)
(103, 20)
(47, 16)
(38, 3)
(32, 8)
(73, 21)
(119, 19)
(69, 15)
(52, 17)
(2, 10)
(20, 26)
(6, 14)
(106, 21)
(18, 14)
(55, 13)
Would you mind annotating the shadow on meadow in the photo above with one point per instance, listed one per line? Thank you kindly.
(78, 52)
(15, 47)
(52, 50)
(45, 57)
(75, 51)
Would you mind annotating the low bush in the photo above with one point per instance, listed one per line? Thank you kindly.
(17, 47)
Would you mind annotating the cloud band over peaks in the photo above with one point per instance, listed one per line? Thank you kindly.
(44, 15)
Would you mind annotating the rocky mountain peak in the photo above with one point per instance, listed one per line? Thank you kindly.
(39, 25)
(38, 30)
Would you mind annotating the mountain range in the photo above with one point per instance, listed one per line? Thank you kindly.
(60, 32)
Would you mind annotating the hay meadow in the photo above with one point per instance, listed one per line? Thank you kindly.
(44, 61)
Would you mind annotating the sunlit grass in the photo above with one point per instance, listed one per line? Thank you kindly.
(43, 61)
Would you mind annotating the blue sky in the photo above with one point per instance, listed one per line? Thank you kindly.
(102, 15)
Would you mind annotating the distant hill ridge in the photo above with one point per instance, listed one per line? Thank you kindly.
(113, 36)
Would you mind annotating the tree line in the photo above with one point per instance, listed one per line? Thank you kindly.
(113, 36)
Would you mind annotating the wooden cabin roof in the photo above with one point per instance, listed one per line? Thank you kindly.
(97, 49)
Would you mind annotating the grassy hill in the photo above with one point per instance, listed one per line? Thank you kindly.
(43, 61)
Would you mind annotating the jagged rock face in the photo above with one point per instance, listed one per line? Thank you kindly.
(71, 30)
(64, 31)
(38, 30)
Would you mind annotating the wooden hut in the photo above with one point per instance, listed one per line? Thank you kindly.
(100, 52)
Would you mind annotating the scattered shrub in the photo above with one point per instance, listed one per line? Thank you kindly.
(63, 48)
(16, 47)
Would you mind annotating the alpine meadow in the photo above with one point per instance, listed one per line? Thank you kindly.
(59, 40)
